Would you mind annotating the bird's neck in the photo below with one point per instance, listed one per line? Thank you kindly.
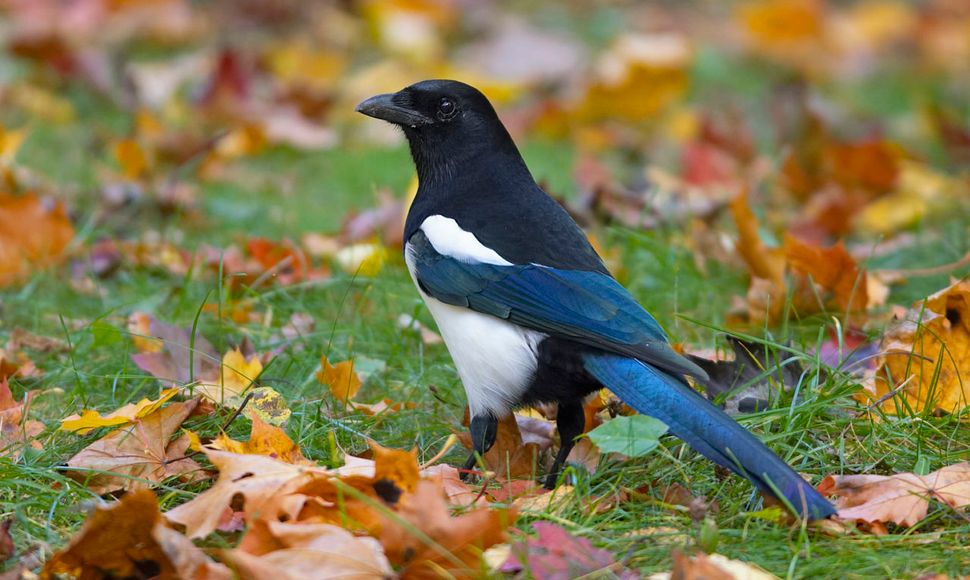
(447, 166)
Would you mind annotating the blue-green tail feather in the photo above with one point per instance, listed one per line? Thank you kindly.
(706, 428)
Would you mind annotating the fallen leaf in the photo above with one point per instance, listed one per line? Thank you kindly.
(902, 499)
(831, 268)
(170, 353)
(255, 479)
(701, 566)
(342, 380)
(450, 545)
(34, 233)
(15, 428)
(7, 547)
(363, 259)
(89, 420)
(124, 539)
(637, 77)
(926, 356)
(459, 493)
(295, 551)
(236, 375)
(140, 453)
(555, 553)
(264, 439)
(633, 436)
(132, 158)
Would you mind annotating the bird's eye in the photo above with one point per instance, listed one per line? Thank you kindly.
(446, 109)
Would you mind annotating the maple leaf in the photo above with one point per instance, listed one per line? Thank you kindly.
(16, 364)
(341, 378)
(132, 158)
(903, 498)
(637, 77)
(833, 269)
(295, 551)
(555, 553)
(15, 429)
(452, 544)
(89, 420)
(121, 540)
(170, 353)
(926, 356)
(139, 453)
(701, 566)
(236, 375)
(33, 235)
(255, 479)
(264, 439)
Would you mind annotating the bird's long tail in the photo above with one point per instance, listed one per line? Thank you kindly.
(706, 428)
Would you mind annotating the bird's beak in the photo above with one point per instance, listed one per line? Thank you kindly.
(383, 107)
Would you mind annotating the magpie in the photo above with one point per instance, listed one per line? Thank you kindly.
(527, 308)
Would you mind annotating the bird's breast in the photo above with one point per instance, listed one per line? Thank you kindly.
(496, 360)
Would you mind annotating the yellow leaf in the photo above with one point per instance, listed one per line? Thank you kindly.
(362, 259)
(264, 439)
(300, 63)
(33, 235)
(10, 142)
(241, 141)
(90, 420)
(341, 378)
(926, 356)
(132, 158)
(195, 443)
(639, 76)
(140, 328)
(268, 405)
(237, 375)
(775, 25)
(41, 103)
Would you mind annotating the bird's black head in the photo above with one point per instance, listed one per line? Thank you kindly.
(447, 123)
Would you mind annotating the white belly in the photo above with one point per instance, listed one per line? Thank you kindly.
(496, 359)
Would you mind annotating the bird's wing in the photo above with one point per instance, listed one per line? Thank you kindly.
(588, 307)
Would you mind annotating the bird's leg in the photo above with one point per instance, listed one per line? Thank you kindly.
(484, 429)
(570, 421)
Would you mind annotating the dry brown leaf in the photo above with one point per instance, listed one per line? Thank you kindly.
(15, 429)
(16, 364)
(926, 356)
(763, 262)
(264, 439)
(33, 235)
(703, 566)
(122, 539)
(280, 550)
(833, 269)
(456, 543)
(341, 378)
(254, 479)
(902, 499)
(459, 493)
(139, 453)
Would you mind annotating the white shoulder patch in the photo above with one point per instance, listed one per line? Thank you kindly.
(450, 240)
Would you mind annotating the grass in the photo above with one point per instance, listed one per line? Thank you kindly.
(357, 317)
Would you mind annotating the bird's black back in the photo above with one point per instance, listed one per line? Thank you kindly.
(495, 197)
